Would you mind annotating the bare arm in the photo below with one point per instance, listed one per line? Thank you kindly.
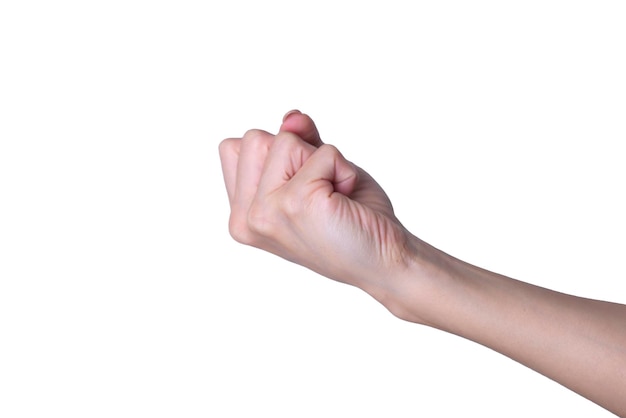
(302, 200)
(578, 342)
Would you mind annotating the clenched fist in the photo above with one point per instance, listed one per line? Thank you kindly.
(300, 199)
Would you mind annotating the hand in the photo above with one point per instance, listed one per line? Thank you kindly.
(300, 199)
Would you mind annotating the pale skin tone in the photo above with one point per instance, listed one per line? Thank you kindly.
(300, 199)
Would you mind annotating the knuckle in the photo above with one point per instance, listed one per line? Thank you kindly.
(292, 206)
(255, 134)
(266, 218)
(287, 139)
(227, 145)
(292, 148)
(239, 230)
(328, 149)
(261, 219)
(257, 140)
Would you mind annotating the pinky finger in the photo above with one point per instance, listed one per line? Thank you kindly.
(229, 156)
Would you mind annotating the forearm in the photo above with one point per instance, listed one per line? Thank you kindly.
(580, 343)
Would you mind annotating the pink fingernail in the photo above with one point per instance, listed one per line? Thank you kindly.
(291, 112)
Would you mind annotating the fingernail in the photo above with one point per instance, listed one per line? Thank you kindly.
(291, 112)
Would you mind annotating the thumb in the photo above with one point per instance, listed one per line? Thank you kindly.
(303, 126)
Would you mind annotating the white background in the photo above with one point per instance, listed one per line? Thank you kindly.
(497, 129)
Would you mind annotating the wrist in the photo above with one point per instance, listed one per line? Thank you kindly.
(432, 288)
(414, 290)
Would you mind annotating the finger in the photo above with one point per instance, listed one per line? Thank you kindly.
(253, 151)
(229, 156)
(286, 156)
(302, 125)
(328, 170)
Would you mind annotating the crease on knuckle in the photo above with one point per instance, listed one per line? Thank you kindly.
(261, 219)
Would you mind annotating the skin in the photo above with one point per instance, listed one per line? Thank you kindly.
(300, 199)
